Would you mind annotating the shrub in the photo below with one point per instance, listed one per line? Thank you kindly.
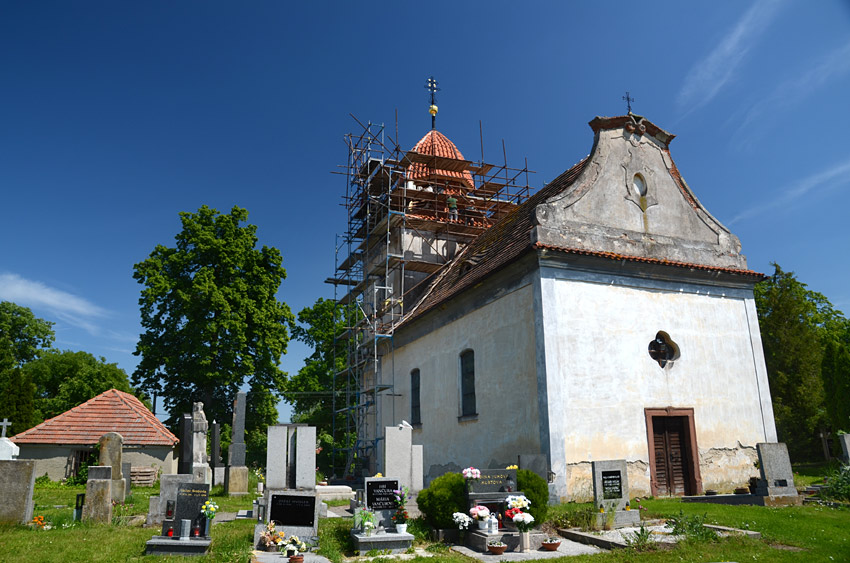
(536, 490)
(441, 499)
(837, 484)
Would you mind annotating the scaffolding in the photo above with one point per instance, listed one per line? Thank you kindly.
(402, 227)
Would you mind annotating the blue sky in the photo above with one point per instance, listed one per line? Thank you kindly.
(115, 116)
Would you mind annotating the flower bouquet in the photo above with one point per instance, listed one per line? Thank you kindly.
(293, 546)
(471, 475)
(524, 521)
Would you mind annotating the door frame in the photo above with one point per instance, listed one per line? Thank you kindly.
(692, 458)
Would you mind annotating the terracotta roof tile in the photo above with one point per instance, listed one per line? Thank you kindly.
(499, 245)
(435, 143)
(614, 256)
(111, 411)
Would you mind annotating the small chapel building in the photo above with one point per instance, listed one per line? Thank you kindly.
(610, 316)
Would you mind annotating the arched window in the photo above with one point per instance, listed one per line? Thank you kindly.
(467, 383)
(415, 411)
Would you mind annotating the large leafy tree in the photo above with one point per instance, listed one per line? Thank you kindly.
(310, 391)
(23, 337)
(65, 379)
(797, 327)
(212, 320)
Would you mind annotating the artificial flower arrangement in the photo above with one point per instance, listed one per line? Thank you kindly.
(479, 512)
(462, 520)
(512, 467)
(364, 519)
(400, 516)
(470, 473)
(259, 473)
(293, 546)
(209, 509)
(518, 501)
(269, 537)
(524, 521)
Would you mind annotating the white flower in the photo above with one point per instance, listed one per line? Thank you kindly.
(518, 501)
(523, 518)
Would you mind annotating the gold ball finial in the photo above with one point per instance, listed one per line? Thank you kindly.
(433, 110)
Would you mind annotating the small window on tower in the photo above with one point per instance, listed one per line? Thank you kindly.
(639, 185)
(663, 350)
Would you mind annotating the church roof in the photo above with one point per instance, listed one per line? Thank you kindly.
(111, 411)
(435, 143)
(511, 237)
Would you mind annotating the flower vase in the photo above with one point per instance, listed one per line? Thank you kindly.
(401, 528)
(482, 524)
(207, 526)
(296, 558)
(524, 542)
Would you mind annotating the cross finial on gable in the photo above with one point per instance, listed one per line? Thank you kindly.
(5, 424)
(628, 101)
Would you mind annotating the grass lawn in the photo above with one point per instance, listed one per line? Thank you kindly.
(792, 534)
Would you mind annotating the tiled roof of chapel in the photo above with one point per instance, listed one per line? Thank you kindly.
(510, 238)
(435, 143)
(111, 411)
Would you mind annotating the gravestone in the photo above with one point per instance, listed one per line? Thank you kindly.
(215, 452)
(200, 467)
(184, 458)
(844, 439)
(190, 498)
(159, 506)
(127, 472)
(295, 513)
(291, 457)
(9, 450)
(380, 499)
(236, 478)
(492, 489)
(186, 521)
(17, 481)
(611, 493)
(402, 459)
(111, 452)
(776, 484)
(98, 505)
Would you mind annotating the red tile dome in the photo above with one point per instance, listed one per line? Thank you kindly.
(436, 144)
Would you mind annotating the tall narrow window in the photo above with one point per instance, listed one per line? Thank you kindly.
(415, 413)
(467, 383)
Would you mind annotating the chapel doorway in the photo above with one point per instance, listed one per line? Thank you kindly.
(673, 455)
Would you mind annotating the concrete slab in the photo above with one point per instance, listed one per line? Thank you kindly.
(275, 557)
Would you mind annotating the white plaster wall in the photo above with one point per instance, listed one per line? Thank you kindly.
(55, 460)
(600, 376)
(502, 335)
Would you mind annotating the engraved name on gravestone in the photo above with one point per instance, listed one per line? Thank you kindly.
(293, 510)
(612, 485)
(379, 494)
(495, 481)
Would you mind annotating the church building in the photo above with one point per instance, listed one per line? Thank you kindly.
(607, 316)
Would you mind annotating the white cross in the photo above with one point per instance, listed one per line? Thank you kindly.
(5, 424)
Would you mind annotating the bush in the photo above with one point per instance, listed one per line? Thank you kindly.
(837, 484)
(537, 491)
(443, 498)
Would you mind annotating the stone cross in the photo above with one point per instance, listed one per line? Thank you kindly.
(5, 424)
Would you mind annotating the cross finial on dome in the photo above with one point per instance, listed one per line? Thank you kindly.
(431, 86)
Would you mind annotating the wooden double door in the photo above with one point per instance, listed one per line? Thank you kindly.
(673, 460)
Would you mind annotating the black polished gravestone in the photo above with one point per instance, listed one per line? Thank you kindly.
(612, 485)
(190, 500)
(184, 460)
(491, 490)
(380, 495)
(293, 511)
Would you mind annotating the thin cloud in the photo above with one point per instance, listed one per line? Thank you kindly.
(66, 306)
(794, 90)
(711, 74)
(833, 177)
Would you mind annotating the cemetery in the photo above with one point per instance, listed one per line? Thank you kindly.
(483, 514)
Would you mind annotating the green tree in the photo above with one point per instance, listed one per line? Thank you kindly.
(794, 322)
(212, 321)
(310, 391)
(835, 372)
(23, 337)
(65, 379)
